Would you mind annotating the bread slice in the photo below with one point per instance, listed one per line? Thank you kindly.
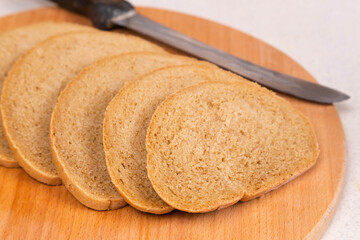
(77, 120)
(213, 144)
(13, 44)
(125, 123)
(34, 83)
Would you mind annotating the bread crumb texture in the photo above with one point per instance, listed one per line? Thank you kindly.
(213, 144)
(13, 44)
(126, 121)
(34, 83)
(77, 122)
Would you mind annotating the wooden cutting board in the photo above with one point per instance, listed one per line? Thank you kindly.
(302, 209)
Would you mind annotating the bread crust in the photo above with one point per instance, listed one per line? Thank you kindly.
(83, 197)
(8, 161)
(27, 166)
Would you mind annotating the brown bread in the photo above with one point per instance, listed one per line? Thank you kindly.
(13, 44)
(77, 120)
(214, 144)
(127, 118)
(34, 83)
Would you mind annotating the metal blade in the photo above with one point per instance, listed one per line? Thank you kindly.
(266, 77)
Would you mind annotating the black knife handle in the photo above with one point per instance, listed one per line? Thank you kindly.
(104, 11)
(101, 12)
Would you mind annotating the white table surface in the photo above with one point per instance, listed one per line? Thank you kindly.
(322, 35)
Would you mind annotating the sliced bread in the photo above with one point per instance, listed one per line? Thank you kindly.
(13, 44)
(214, 144)
(34, 83)
(126, 121)
(77, 120)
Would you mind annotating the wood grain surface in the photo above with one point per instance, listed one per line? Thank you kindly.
(302, 209)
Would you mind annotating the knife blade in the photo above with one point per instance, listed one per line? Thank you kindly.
(105, 14)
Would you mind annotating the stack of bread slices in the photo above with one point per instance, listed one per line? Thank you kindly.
(121, 120)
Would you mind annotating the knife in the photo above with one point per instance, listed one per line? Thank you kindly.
(107, 14)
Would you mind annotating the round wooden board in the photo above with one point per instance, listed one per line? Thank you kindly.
(302, 209)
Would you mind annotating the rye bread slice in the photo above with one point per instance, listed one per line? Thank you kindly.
(34, 83)
(13, 44)
(77, 120)
(126, 121)
(213, 144)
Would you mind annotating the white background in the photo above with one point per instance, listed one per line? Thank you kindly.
(322, 35)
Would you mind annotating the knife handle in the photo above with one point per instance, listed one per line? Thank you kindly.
(101, 12)
(104, 11)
